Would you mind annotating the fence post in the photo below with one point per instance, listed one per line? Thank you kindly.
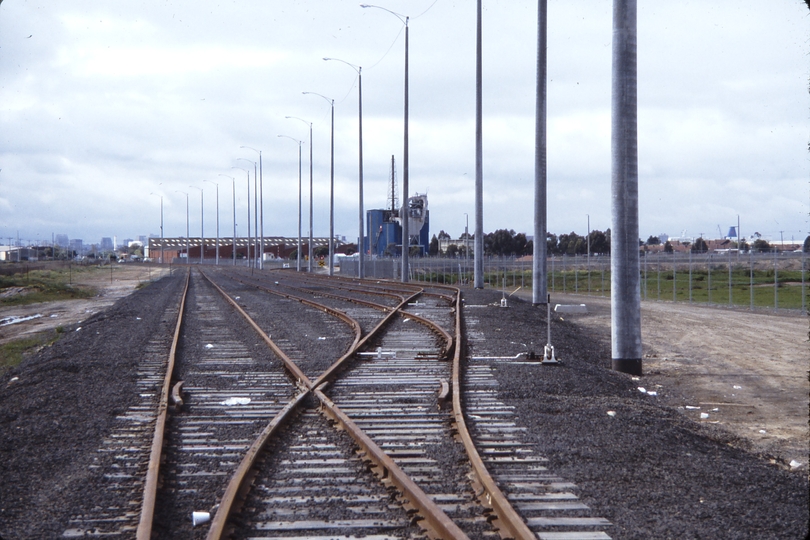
(674, 280)
(709, 271)
(775, 283)
(690, 275)
(751, 271)
(730, 296)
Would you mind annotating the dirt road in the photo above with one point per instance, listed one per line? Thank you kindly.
(747, 371)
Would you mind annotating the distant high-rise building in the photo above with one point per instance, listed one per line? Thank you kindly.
(106, 244)
(62, 240)
(76, 245)
(142, 239)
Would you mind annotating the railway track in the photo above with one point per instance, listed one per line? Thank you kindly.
(314, 408)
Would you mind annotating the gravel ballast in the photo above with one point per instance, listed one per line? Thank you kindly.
(651, 471)
(648, 469)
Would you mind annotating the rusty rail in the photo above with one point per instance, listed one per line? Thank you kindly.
(509, 522)
(144, 530)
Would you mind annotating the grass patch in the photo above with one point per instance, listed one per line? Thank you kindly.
(13, 352)
(42, 286)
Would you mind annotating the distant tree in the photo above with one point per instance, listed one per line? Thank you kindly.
(572, 244)
(452, 250)
(806, 246)
(501, 242)
(443, 235)
(320, 251)
(668, 247)
(433, 247)
(552, 246)
(761, 245)
(519, 244)
(653, 241)
(700, 246)
(600, 242)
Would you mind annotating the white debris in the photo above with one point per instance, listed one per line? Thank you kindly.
(736, 387)
(209, 346)
(704, 415)
(715, 409)
(692, 408)
(79, 328)
(321, 338)
(14, 319)
(635, 378)
(642, 389)
(137, 318)
(611, 413)
(763, 431)
(795, 464)
(54, 315)
(198, 518)
(652, 393)
(235, 401)
(237, 297)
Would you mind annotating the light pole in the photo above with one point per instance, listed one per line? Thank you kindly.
(202, 235)
(406, 239)
(298, 256)
(331, 185)
(233, 250)
(360, 236)
(261, 207)
(161, 226)
(248, 212)
(255, 208)
(309, 251)
(187, 245)
(466, 242)
(540, 251)
(217, 250)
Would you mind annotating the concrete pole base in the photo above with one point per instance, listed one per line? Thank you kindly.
(624, 365)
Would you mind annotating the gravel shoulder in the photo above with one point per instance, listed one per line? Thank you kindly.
(747, 370)
(649, 467)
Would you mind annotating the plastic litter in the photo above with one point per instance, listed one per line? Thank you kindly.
(795, 464)
(704, 415)
(209, 346)
(692, 408)
(762, 431)
(198, 518)
(235, 401)
(321, 338)
(635, 378)
(79, 328)
(642, 389)
(652, 393)
(611, 413)
(736, 387)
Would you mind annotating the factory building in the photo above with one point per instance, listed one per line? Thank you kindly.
(384, 228)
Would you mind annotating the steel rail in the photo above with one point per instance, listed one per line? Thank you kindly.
(144, 530)
(239, 484)
(441, 332)
(508, 521)
(331, 372)
(437, 521)
(434, 517)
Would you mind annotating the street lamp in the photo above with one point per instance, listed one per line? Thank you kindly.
(298, 257)
(466, 242)
(331, 186)
(248, 212)
(161, 226)
(187, 246)
(255, 207)
(217, 255)
(261, 207)
(309, 251)
(233, 250)
(360, 237)
(406, 238)
(202, 235)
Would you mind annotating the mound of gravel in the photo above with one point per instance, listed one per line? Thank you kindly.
(63, 401)
(647, 468)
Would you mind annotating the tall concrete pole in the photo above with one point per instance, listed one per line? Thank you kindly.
(539, 270)
(625, 293)
(360, 264)
(478, 260)
(406, 235)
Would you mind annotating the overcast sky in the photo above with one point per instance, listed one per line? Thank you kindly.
(104, 104)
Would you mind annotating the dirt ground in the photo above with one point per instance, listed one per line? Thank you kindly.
(746, 371)
(125, 278)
